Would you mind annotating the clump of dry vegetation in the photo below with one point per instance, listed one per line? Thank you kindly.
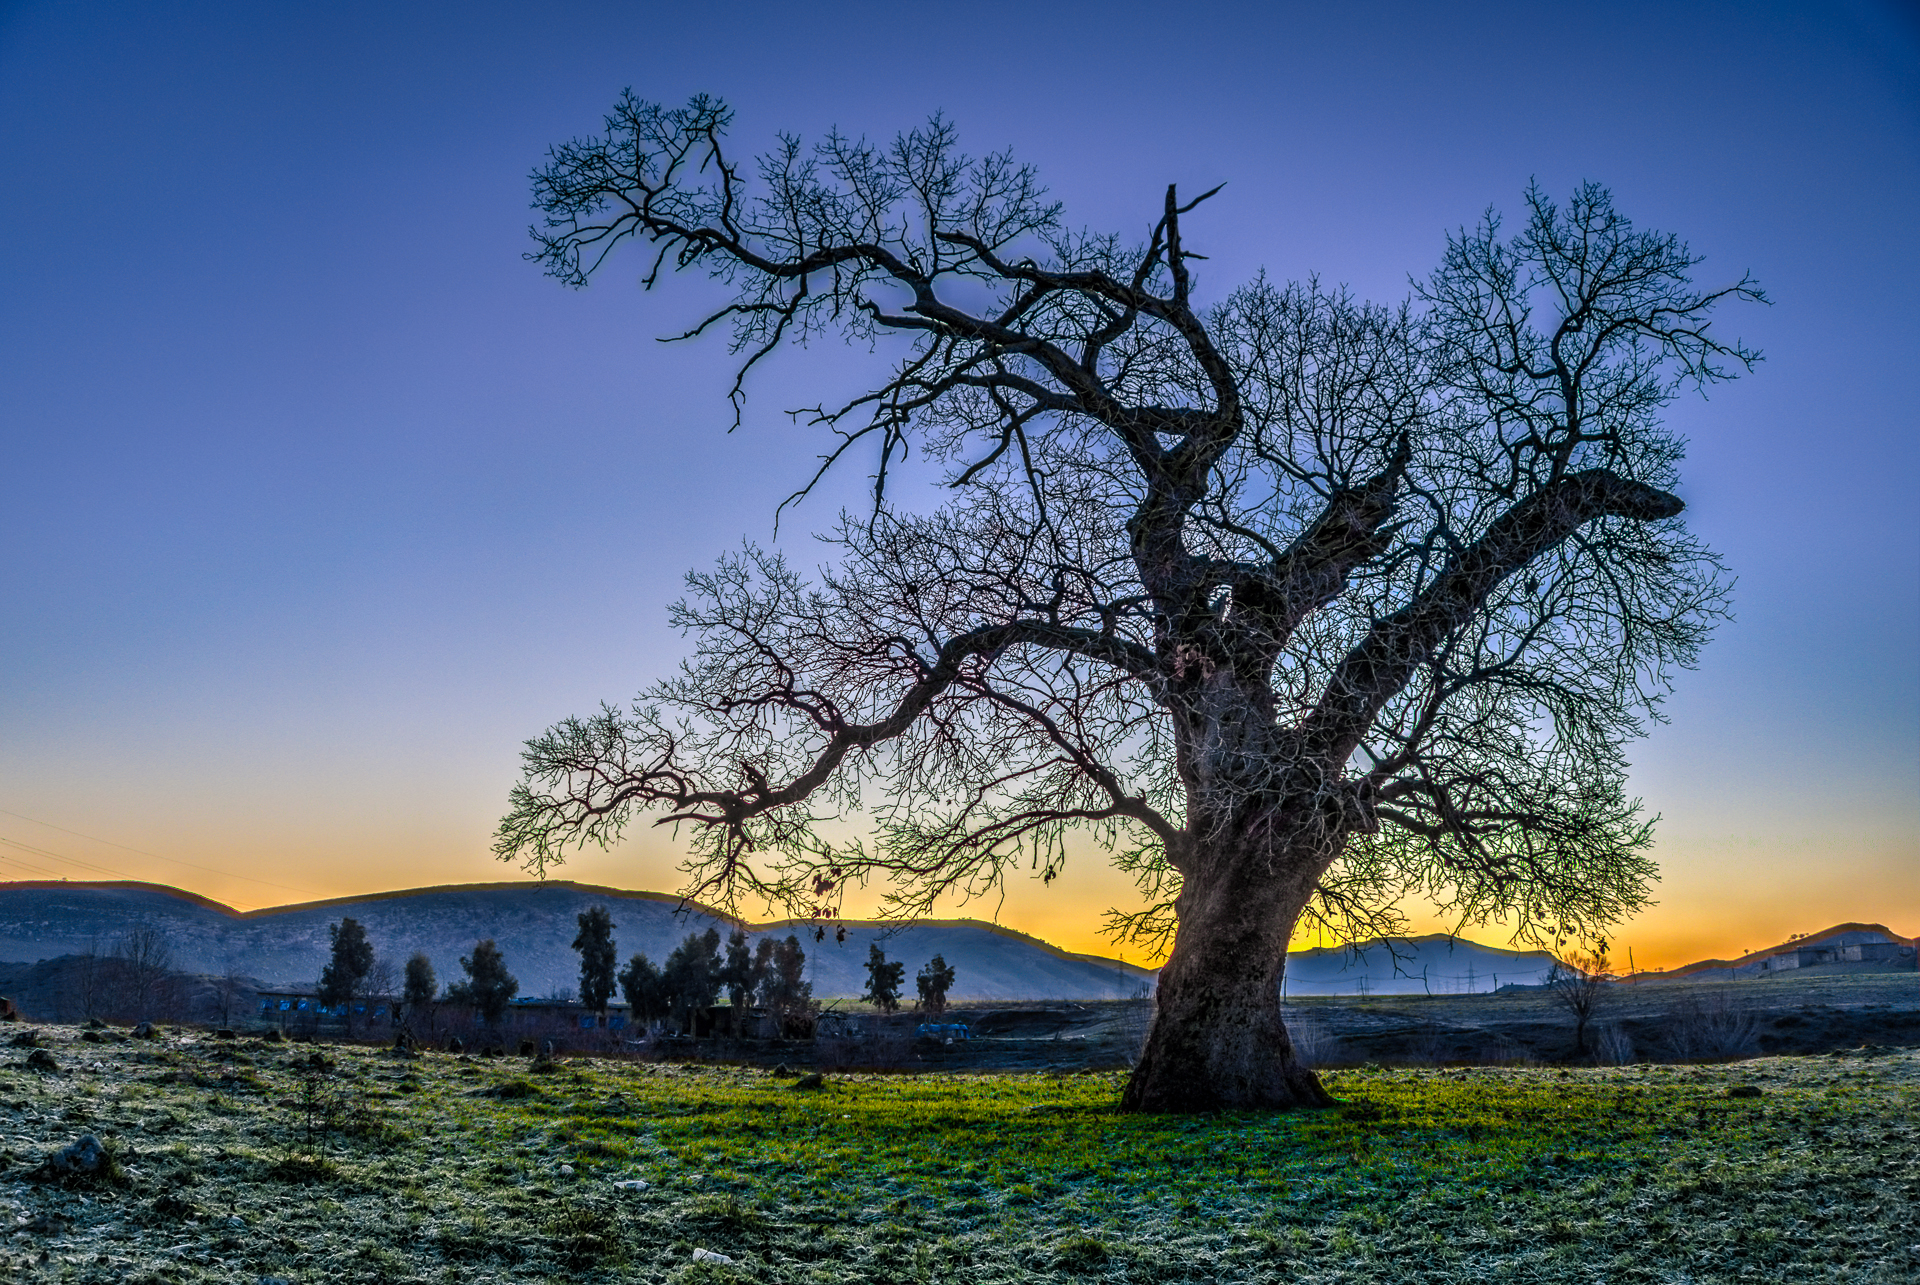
(237, 1161)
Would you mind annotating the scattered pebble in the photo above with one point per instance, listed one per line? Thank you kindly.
(631, 1184)
(811, 1080)
(82, 1157)
(708, 1256)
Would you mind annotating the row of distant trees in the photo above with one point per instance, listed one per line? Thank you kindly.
(354, 971)
(135, 977)
(130, 978)
(769, 975)
(696, 974)
(885, 979)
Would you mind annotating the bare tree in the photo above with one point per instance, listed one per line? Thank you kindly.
(1579, 983)
(1294, 603)
(228, 987)
(382, 989)
(91, 979)
(144, 964)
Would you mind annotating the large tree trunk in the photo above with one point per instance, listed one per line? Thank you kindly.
(1218, 1042)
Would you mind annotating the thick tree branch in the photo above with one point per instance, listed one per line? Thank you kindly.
(1383, 662)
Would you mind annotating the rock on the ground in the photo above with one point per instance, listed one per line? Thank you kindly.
(83, 1157)
(41, 1060)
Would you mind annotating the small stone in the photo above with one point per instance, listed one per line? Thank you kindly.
(273, 1035)
(631, 1184)
(781, 1072)
(41, 1060)
(236, 1221)
(95, 1024)
(566, 1171)
(811, 1080)
(27, 1039)
(1744, 1091)
(93, 1037)
(84, 1156)
(225, 1033)
(709, 1256)
(144, 1031)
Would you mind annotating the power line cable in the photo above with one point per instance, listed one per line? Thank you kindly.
(228, 874)
(61, 856)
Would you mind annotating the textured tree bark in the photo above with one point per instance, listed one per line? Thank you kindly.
(1218, 1042)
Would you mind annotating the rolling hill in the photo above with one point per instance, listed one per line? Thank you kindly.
(533, 923)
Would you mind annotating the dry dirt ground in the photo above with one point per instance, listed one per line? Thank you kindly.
(245, 1161)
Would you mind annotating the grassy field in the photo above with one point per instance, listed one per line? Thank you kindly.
(241, 1162)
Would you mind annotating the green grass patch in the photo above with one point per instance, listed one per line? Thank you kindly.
(449, 1170)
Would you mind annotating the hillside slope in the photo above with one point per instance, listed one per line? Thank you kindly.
(533, 923)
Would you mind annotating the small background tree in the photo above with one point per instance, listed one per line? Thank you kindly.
(883, 980)
(143, 973)
(933, 982)
(598, 959)
(489, 986)
(382, 989)
(691, 978)
(343, 980)
(418, 990)
(228, 989)
(784, 990)
(1579, 983)
(737, 977)
(646, 990)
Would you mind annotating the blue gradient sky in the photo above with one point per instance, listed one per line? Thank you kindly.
(315, 499)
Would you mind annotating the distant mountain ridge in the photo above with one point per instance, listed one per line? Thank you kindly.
(1847, 934)
(534, 924)
(1436, 964)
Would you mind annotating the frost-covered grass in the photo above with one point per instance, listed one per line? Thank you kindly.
(241, 1163)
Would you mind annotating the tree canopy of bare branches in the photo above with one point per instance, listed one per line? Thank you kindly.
(1294, 603)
